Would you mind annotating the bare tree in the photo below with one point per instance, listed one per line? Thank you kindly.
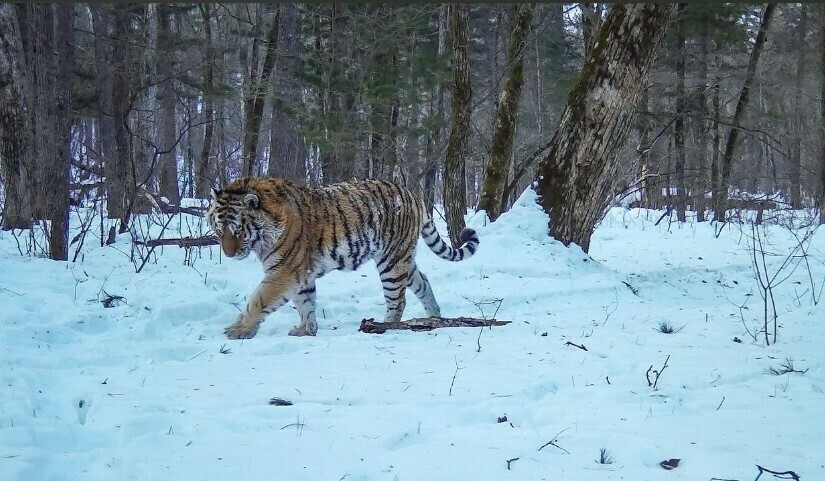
(720, 194)
(798, 120)
(434, 138)
(166, 63)
(286, 148)
(574, 177)
(455, 201)
(504, 132)
(258, 86)
(679, 124)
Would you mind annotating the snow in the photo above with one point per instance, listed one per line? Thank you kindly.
(150, 389)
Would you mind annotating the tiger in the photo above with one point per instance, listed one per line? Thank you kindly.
(299, 234)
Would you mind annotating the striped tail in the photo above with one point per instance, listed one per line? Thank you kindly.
(469, 243)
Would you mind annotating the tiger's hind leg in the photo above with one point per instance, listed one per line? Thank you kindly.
(304, 301)
(420, 286)
(394, 280)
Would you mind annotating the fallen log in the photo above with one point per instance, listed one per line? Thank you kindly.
(426, 324)
(204, 241)
(166, 208)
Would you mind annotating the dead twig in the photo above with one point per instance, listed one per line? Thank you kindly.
(568, 343)
(777, 474)
(552, 442)
(656, 373)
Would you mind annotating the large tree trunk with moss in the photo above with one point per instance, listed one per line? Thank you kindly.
(495, 176)
(455, 186)
(574, 179)
(721, 199)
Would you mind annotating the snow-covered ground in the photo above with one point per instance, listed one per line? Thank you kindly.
(150, 389)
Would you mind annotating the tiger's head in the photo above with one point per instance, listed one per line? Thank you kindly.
(242, 225)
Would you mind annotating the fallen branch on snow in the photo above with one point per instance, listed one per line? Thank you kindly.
(203, 241)
(426, 324)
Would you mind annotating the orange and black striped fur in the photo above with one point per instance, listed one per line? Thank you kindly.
(299, 234)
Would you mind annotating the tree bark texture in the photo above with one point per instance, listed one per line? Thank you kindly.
(57, 188)
(495, 176)
(574, 177)
(455, 199)
(721, 199)
(822, 113)
(16, 214)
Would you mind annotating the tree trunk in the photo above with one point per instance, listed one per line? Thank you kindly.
(501, 152)
(287, 151)
(258, 89)
(591, 21)
(679, 124)
(701, 184)
(437, 113)
(455, 198)
(167, 164)
(120, 177)
(798, 119)
(822, 113)
(57, 183)
(648, 189)
(16, 214)
(574, 177)
(715, 168)
(205, 173)
(744, 97)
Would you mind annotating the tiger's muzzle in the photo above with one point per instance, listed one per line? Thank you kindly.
(231, 244)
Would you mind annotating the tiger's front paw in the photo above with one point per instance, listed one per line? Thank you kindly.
(305, 330)
(239, 330)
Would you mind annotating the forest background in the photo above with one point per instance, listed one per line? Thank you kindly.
(122, 108)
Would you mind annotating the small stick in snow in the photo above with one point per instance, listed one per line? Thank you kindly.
(511, 460)
(568, 343)
(777, 474)
(276, 401)
(552, 442)
(454, 375)
(720, 403)
(657, 373)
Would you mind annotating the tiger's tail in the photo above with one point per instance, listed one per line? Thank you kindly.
(469, 243)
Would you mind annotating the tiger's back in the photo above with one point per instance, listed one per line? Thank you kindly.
(300, 234)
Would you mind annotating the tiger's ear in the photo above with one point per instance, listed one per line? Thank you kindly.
(215, 193)
(252, 201)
